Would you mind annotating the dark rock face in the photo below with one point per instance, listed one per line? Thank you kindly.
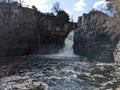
(117, 53)
(24, 30)
(90, 39)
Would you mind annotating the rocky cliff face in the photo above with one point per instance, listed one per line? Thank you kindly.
(117, 53)
(91, 40)
(24, 30)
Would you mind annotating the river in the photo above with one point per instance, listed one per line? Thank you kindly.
(61, 71)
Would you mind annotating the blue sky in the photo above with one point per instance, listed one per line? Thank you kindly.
(75, 8)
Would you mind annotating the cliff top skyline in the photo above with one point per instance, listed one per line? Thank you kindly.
(74, 8)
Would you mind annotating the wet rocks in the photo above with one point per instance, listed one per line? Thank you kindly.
(60, 74)
(2, 71)
(102, 76)
(21, 83)
(118, 88)
(38, 86)
(106, 71)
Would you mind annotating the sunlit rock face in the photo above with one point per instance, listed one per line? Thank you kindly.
(90, 39)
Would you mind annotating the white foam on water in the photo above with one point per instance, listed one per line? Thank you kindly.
(67, 50)
(107, 64)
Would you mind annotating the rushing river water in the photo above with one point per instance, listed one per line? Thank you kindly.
(68, 48)
(61, 71)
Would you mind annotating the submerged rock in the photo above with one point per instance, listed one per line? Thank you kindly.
(38, 86)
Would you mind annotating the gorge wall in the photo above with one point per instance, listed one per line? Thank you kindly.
(91, 40)
(24, 30)
(117, 53)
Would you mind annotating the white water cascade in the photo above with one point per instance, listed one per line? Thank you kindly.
(67, 50)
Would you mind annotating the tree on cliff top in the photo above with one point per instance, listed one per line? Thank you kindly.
(56, 7)
(60, 14)
(34, 8)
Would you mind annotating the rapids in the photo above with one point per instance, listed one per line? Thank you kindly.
(60, 71)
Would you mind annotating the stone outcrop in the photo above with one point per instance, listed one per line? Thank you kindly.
(117, 53)
(24, 30)
(91, 40)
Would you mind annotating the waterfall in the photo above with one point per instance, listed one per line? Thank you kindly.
(67, 50)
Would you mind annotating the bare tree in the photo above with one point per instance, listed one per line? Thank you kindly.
(56, 7)
(21, 2)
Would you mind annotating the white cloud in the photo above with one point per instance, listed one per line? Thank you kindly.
(99, 4)
(40, 4)
(68, 11)
(80, 5)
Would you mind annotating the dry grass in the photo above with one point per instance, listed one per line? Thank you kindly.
(113, 28)
(113, 25)
(114, 5)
